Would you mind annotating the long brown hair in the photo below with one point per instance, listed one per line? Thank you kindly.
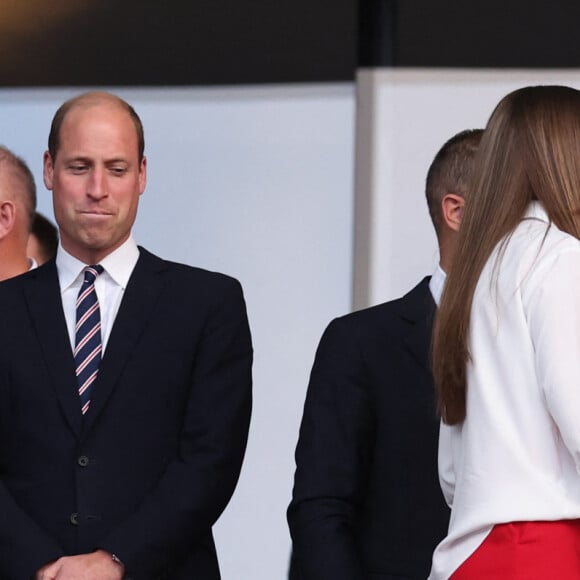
(530, 150)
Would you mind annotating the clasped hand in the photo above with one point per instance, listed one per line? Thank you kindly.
(97, 565)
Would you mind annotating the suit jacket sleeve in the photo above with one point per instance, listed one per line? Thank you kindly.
(20, 535)
(332, 459)
(196, 487)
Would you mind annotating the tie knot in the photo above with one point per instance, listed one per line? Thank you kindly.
(91, 273)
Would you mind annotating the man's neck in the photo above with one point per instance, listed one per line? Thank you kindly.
(14, 267)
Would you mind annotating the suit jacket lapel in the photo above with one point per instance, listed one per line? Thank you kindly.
(141, 294)
(419, 312)
(42, 293)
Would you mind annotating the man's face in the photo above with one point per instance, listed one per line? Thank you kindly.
(13, 214)
(96, 180)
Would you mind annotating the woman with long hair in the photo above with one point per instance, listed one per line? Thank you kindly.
(506, 351)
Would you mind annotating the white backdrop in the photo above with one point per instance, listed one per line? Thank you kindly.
(404, 116)
(255, 182)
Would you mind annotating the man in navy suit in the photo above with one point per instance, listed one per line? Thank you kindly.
(129, 483)
(367, 503)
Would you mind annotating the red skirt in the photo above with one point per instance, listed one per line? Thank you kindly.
(526, 551)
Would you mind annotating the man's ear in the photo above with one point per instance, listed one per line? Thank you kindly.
(7, 217)
(452, 210)
(48, 170)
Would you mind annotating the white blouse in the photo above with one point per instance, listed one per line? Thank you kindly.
(516, 457)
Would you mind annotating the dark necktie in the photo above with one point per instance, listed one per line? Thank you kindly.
(88, 344)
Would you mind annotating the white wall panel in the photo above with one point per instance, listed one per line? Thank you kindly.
(403, 118)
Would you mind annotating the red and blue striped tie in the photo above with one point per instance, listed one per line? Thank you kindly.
(88, 345)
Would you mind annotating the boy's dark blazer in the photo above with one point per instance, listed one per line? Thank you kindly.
(148, 470)
(367, 503)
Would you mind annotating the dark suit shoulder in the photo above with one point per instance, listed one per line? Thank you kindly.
(415, 305)
(14, 288)
(15, 283)
(203, 280)
(368, 335)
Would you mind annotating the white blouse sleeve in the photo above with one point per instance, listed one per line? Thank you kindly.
(445, 460)
(553, 313)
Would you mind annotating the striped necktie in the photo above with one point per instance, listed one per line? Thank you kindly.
(88, 344)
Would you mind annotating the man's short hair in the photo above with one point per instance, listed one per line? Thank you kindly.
(87, 99)
(46, 235)
(11, 162)
(451, 171)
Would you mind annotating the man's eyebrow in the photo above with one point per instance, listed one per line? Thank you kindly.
(77, 158)
(89, 160)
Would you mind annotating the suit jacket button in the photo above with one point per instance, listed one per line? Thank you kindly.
(74, 519)
(83, 460)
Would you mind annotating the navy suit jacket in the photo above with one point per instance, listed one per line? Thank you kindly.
(367, 503)
(148, 470)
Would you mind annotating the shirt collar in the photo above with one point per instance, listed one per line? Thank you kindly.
(536, 210)
(437, 283)
(119, 264)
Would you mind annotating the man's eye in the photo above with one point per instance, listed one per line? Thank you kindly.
(118, 170)
(78, 168)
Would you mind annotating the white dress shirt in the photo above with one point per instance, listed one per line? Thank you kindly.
(516, 457)
(109, 286)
